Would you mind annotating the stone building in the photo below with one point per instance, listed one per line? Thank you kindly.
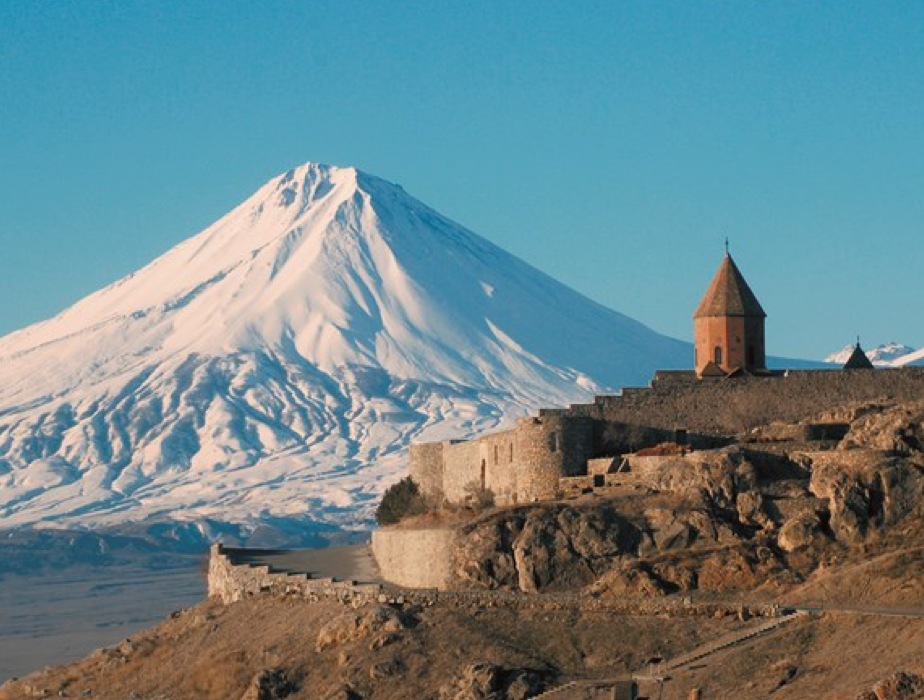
(728, 394)
(518, 465)
(728, 326)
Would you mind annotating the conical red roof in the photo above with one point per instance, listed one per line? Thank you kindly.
(729, 294)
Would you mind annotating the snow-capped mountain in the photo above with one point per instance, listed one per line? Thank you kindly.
(915, 358)
(277, 364)
(886, 355)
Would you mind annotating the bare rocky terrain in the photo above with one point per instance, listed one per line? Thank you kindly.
(755, 520)
(273, 649)
(833, 526)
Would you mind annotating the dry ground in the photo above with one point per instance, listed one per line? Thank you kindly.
(835, 657)
(213, 651)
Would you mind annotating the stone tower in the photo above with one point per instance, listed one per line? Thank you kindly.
(728, 325)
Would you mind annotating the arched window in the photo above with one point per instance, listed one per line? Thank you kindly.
(511, 452)
(718, 355)
(495, 454)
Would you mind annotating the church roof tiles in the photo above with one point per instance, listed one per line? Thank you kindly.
(729, 294)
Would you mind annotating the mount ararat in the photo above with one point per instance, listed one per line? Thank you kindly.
(275, 366)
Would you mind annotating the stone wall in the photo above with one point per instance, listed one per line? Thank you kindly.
(525, 463)
(462, 469)
(415, 558)
(230, 582)
(541, 454)
(425, 460)
(729, 406)
(519, 465)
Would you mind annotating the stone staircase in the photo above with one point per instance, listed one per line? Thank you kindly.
(727, 641)
(589, 688)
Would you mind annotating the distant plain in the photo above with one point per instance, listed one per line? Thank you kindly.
(53, 617)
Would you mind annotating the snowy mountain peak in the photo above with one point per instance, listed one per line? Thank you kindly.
(277, 363)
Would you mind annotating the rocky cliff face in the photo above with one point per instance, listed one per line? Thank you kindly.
(747, 517)
(867, 490)
(543, 547)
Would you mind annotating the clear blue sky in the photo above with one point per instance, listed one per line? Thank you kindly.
(611, 144)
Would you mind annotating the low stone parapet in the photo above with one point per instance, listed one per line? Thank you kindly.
(231, 582)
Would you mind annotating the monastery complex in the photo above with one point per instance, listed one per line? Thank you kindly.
(729, 393)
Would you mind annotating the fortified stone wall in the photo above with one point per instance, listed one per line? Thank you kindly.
(525, 463)
(462, 469)
(426, 465)
(231, 582)
(728, 406)
(541, 454)
(418, 558)
(518, 465)
(552, 447)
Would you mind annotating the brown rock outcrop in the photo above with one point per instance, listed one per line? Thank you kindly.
(800, 531)
(716, 476)
(269, 684)
(629, 579)
(539, 548)
(867, 488)
(898, 429)
(898, 686)
(490, 682)
(353, 626)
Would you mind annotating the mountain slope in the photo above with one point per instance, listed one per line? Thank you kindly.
(912, 358)
(276, 364)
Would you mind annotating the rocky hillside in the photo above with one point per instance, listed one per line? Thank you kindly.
(277, 650)
(268, 650)
(758, 518)
(830, 524)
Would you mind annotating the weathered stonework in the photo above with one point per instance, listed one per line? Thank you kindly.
(528, 462)
(415, 558)
(519, 465)
(230, 582)
(730, 406)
